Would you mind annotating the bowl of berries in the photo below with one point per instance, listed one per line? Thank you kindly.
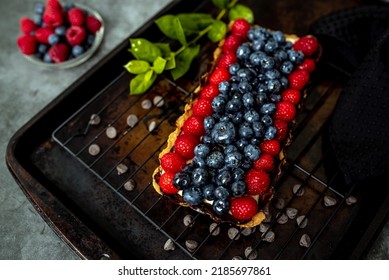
(60, 35)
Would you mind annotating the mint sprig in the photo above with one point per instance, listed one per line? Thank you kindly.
(152, 59)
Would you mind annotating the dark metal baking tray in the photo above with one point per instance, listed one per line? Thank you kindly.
(83, 197)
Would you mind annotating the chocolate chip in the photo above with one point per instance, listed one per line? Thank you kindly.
(351, 200)
(169, 245)
(146, 104)
(250, 253)
(191, 245)
(132, 120)
(263, 227)
(269, 236)
(158, 101)
(305, 240)
(329, 201)
(94, 119)
(298, 190)
(282, 219)
(233, 233)
(129, 185)
(237, 258)
(291, 212)
(94, 149)
(188, 220)
(214, 229)
(279, 203)
(302, 221)
(121, 168)
(247, 231)
(111, 132)
(152, 126)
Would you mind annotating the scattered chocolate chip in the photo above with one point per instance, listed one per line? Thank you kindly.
(158, 101)
(188, 220)
(146, 104)
(233, 233)
(291, 212)
(214, 229)
(247, 231)
(169, 245)
(94, 149)
(237, 258)
(129, 185)
(282, 219)
(263, 227)
(302, 221)
(250, 253)
(268, 218)
(298, 190)
(191, 245)
(351, 200)
(152, 126)
(94, 119)
(279, 203)
(132, 120)
(305, 240)
(269, 236)
(121, 168)
(111, 132)
(329, 201)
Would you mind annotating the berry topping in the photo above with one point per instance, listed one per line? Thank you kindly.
(285, 111)
(308, 45)
(291, 95)
(282, 130)
(227, 59)
(172, 162)
(75, 35)
(76, 16)
(27, 25)
(257, 182)
(265, 162)
(194, 125)
(59, 52)
(210, 91)
(166, 183)
(271, 147)
(27, 44)
(243, 208)
(92, 24)
(185, 145)
(219, 75)
(308, 64)
(42, 34)
(231, 43)
(298, 79)
(203, 108)
(53, 14)
(240, 27)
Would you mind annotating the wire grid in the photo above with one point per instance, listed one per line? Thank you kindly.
(138, 149)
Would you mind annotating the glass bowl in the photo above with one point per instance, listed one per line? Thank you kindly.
(73, 62)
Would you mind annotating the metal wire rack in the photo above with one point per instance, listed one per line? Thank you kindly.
(308, 180)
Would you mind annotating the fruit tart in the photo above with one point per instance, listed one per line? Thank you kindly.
(228, 147)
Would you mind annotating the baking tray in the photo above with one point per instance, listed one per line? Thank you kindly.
(84, 200)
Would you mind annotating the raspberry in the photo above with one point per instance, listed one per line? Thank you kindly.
(172, 162)
(59, 52)
(240, 27)
(257, 182)
(231, 43)
(76, 16)
(166, 183)
(265, 162)
(53, 16)
(291, 95)
(298, 79)
(210, 91)
(243, 208)
(75, 35)
(271, 147)
(54, 5)
(308, 64)
(42, 34)
(27, 25)
(282, 129)
(227, 59)
(308, 45)
(27, 44)
(185, 145)
(285, 111)
(194, 125)
(92, 24)
(219, 75)
(203, 108)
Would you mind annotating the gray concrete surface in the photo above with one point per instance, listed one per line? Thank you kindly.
(25, 89)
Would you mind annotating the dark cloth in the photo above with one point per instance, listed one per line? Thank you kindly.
(357, 39)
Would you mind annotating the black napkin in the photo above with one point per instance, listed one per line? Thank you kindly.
(357, 39)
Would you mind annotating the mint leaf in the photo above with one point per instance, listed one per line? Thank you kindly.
(137, 66)
(241, 11)
(218, 31)
(142, 82)
(143, 49)
(193, 23)
(170, 62)
(184, 60)
(159, 65)
(164, 48)
(221, 4)
(170, 25)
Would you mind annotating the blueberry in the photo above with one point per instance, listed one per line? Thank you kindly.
(284, 82)
(90, 39)
(47, 58)
(244, 74)
(53, 39)
(233, 69)
(262, 89)
(266, 120)
(68, 5)
(230, 149)
(241, 143)
(37, 18)
(208, 192)
(243, 52)
(224, 87)
(233, 159)
(198, 162)
(221, 193)
(272, 74)
(193, 196)
(252, 152)
(234, 87)
(202, 150)
(244, 86)
(182, 180)
(209, 122)
(238, 174)
(275, 97)
(258, 129)
(280, 55)
(238, 188)
(258, 45)
(42, 48)
(234, 105)
(279, 36)
(39, 8)
(255, 59)
(251, 116)
(218, 104)
(274, 86)
(248, 100)
(60, 30)
(215, 160)
(245, 131)
(286, 67)
(295, 57)
(268, 109)
(77, 50)
(221, 206)
(271, 46)
(207, 139)
(223, 177)
(247, 164)
(223, 133)
(199, 176)
(270, 133)
(237, 118)
(267, 62)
